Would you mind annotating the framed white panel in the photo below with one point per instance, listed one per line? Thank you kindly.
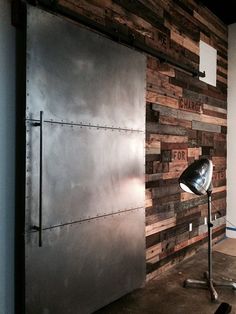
(208, 63)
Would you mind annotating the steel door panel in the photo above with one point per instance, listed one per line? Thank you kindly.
(92, 94)
(77, 75)
(88, 264)
(87, 172)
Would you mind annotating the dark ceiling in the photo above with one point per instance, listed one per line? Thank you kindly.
(225, 10)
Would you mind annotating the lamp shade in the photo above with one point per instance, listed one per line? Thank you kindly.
(197, 177)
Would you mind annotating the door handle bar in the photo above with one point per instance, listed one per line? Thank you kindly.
(40, 177)
(39, 227)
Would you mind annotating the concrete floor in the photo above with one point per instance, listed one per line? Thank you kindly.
(166, 294)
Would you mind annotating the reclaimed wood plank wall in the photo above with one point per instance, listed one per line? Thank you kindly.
(186, 118)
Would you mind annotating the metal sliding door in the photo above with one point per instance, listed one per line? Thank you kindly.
(84, 202)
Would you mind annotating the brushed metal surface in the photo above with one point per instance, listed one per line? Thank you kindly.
(77, 75)
(82, 267)
(87, 172)
(93, 215)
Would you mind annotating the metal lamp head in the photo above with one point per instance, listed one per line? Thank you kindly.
(197, 177)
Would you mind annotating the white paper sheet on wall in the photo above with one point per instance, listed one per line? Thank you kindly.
(208, 61)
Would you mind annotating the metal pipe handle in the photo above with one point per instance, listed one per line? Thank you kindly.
(40, 177)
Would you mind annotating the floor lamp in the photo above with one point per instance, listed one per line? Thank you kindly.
(197, 179)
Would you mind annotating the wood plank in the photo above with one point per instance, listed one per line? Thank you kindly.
(205, 99)
(179, 18)
(219, 189)
(190, 105)
(205, 138)
(215, 114)
(221, 69)
(210, 26)
(174, 121)
(169, 138)
(189, 116)
(196, 125)
(166, 190)
(213, 120)
(222, 61)
(153, 127)
(160, 226)
(153, 251)
(156, 98)
(166, 69)
(153, 147)
(148, 203)
(173, 174)
(213, 108)
(148, 194)
(171, 146)
(184, 41)
(153, 177)
(154, 274)
(160, 167)
(212, 18)
(88, 10)
(195, 152)
(219, 160)
(180, 155)
(221, 79)
(187, 196)
(142, 10)
(177, 166)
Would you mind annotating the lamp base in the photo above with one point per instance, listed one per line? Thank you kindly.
(209, 284)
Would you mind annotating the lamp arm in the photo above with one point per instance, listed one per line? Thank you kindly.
(210, 189)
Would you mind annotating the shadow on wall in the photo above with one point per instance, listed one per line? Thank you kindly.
(7, 158)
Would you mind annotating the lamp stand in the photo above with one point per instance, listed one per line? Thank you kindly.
(209, 283)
